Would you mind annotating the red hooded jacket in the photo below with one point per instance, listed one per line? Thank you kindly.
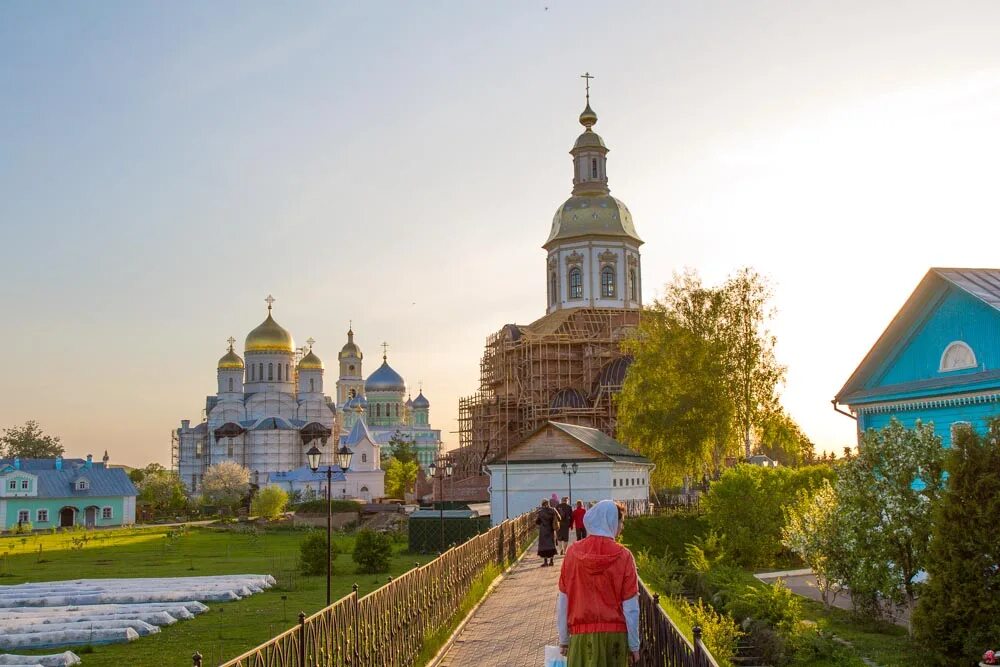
(597, 575)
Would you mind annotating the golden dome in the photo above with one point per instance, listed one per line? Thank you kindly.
(269, 336)
(310, 362)
(598, 215)
(231, 361)
(588, 118)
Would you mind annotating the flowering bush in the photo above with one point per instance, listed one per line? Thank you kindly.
(991, 657)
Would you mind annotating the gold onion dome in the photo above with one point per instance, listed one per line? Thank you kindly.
(231, 361)
(311, 362)
(350, 348)
(269, 336)
(588, 118)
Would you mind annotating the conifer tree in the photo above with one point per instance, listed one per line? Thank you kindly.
(959, 609)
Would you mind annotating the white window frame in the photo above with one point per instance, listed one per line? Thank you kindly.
(82, 485)
(12, 485)
(24, 516)
(25, 485)
(957, 344)
(107, 512)
(42, 516)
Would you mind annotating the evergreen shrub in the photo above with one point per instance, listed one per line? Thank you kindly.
(372, 552)
(312, 553)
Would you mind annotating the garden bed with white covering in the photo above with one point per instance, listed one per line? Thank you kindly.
(106, 611)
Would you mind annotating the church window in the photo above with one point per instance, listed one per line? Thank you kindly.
(364, 458)
(12, 485)
(553, 295)
(312, 384)
(608, 282)
(81, 485)
(260, 371)
(42, 515)
(230, 384)
(378, 409)
(22, 516)
(614, 482)
(270, 371)
(197, 448)
(354, 393)
(229, 449)
(288, 375)
(251, 369)
(957, 356)
(279, 372)
(24, 485)
(593, 168)
(632, 286)
(105, 512)
(575, 283)
(397, 409)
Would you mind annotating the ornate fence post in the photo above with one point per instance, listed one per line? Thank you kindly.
(302, 639)
(196, 660)
(699, 649)
(357, 622)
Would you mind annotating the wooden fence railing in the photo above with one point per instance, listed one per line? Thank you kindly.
(386, 628)
(663, 644)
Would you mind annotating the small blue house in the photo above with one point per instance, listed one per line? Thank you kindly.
(939, 359)
(48, 493)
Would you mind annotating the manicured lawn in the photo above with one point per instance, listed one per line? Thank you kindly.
(227, 629)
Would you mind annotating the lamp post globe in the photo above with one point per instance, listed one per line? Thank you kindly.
(448, 468)
(314, 455)
(575, 468)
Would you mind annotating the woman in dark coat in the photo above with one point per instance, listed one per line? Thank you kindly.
(547, 521)
(565, 523)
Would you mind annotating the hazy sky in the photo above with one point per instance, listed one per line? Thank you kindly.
(165, 166)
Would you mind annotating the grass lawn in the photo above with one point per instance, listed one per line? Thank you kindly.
(227, 629)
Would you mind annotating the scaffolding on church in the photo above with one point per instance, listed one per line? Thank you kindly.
(565, 367)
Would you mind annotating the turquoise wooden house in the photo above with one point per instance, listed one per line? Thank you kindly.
(64, 493)
(939, 359)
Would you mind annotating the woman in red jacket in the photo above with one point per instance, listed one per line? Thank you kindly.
(598, 605)
(577, 523)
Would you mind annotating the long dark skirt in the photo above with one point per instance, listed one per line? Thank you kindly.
(547, 521)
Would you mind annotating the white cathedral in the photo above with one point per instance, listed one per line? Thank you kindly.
(270, 410)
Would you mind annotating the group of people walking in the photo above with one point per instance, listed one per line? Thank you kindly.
(555, 519)
(597, 608)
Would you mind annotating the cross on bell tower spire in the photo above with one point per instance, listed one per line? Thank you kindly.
(231, 341)
(270, 301)
(587, 76)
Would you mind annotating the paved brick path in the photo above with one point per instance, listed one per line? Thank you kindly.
(514, 623)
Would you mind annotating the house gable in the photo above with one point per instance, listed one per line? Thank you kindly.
(550, 443)
(906, 361)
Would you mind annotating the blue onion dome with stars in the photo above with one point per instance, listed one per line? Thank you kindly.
(385, 379)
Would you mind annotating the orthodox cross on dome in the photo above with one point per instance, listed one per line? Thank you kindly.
(270, 301)
(231, 341)
(310, 342)
(587, 76)
(385, 351)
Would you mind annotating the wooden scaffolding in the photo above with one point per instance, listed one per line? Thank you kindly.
(565, 367)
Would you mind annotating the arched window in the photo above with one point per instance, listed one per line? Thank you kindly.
(378, 409)
(250, 371)
(312, 384)
(230, 384)
(632, 286)
(593, 168)
(553, 295)
(364, 458)
(288, 376)
(260, 372)
(957, 356)
(270, 371)
(608, 282)
(575, 283)
(397, 409)
(279, 372)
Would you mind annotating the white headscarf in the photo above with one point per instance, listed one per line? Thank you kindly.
(602, 519)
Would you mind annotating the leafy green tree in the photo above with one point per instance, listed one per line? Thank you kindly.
(958, 613)
(400, 477)
(780, 438)
(160, 489)
(29, 442)
(748, 506)
(269, 502)
(312, 553)
(225, 484)
(402, 448)
(887, 495)
(753, 372)
(674, 406)
(372, 552)
(813, 532)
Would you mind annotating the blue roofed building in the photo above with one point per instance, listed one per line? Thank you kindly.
(48, 493)
(939, 359)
